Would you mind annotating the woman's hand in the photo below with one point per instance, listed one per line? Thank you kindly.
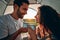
(32, 34)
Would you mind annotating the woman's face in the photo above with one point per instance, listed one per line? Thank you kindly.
(38, 17)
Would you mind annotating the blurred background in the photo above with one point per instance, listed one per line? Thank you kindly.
(6, 6)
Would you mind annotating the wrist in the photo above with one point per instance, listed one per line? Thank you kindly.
(19, 31)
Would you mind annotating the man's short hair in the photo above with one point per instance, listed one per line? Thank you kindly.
(20, 2)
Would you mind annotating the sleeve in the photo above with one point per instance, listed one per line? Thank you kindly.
(3, 30)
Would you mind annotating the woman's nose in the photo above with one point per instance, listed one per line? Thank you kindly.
(35, 16)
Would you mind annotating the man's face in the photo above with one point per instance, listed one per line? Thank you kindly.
(22, 10)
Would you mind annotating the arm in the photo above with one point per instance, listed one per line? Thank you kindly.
(13, 36)
(32, 34)
(4, 32)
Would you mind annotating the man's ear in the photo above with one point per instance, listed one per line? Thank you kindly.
(15, 7)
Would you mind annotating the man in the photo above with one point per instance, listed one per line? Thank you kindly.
(10, 26)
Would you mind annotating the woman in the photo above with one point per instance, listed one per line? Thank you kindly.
(49, 23)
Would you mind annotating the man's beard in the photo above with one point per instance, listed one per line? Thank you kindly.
(19, 14)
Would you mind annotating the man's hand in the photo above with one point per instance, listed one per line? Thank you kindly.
(23, 30)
